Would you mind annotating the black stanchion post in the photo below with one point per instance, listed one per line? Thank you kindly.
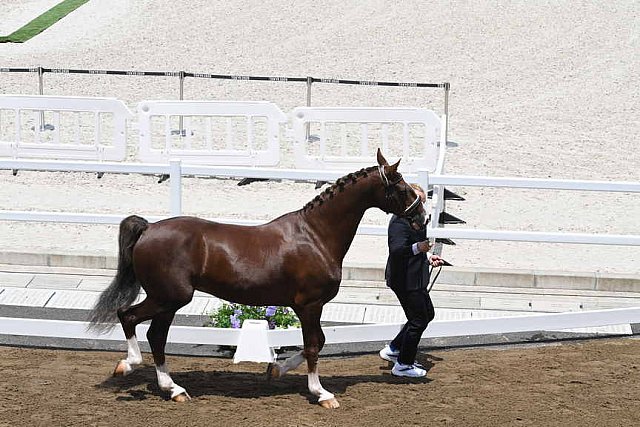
(180, 131)
(309, 82)
(308, 136)
(446, 112)
(41, 125)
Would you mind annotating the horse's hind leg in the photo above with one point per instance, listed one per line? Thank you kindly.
(157, 336)
(129, 318)
(313, 342)
(278, 369)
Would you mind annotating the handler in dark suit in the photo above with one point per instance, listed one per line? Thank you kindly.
(407, 274)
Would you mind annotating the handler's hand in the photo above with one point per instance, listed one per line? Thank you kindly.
(424, 246)
(435, 260)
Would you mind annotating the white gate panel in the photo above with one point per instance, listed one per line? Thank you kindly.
(347, 138)
(63, 127)
(222, 133)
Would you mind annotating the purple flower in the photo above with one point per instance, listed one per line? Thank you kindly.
(235, 322)
(237, 312)
(271, 310)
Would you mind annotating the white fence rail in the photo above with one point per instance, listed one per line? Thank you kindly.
(175, 169)
(337, 334)
(334, 335)
(439, 181)
(221, 133)
(81, 129)
(344, 136)
(242, 133)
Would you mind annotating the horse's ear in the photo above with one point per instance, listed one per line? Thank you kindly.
(394, 167)
(381, 160)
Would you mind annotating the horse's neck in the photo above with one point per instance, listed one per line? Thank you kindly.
(336, 220)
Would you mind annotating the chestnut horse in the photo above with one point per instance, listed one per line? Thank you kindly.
(294, 260)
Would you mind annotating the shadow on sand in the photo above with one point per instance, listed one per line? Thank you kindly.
(249, 385)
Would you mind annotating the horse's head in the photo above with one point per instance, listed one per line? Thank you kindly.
(399, 197)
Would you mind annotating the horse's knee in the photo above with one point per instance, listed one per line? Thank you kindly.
(311, 354)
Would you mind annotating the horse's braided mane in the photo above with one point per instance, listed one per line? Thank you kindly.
(339, 186)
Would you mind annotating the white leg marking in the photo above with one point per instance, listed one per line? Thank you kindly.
(134, 355)
(290, 363)
(316, 388)
(166, 383)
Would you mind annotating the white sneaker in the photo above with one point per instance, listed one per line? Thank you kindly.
(389, 355)
(400, 370)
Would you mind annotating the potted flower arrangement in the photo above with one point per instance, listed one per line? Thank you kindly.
(232, 315)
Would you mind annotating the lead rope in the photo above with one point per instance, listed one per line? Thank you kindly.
(433, 281)
(431, 268)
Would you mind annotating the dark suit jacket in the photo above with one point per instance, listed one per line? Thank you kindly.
(405, 271)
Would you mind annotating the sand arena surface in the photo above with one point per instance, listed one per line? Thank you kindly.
(538, 90)
(578, 384)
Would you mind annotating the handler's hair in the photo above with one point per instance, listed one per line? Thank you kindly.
(417, 187)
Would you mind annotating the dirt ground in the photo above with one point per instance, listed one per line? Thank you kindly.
(572, 384)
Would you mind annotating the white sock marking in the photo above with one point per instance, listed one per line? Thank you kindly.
(315, 387)
(166, 383)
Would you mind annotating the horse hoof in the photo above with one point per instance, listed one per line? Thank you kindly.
(273, 371)
(182, 397)
(121, 369)
(329, 403)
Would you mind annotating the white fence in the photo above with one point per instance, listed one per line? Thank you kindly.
(83, 128)
(326, 172)
(255, 120)
(334, 335)
(419, 131)
(439, 181)
(347, 333)
(221, 133)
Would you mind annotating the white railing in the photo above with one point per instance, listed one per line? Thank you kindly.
(346, 137)
(81, 128)
(238, 133)
(221, 133)
(439, 181)
(334, 335)
(175, 170)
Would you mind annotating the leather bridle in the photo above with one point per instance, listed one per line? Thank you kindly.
(388, 193)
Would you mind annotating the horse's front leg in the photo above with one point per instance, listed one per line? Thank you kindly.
(313, 342)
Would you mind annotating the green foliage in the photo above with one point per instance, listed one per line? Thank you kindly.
(232, 316)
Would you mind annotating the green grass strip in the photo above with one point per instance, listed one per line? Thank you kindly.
(43, 21)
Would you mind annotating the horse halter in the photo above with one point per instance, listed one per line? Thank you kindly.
(388, 192)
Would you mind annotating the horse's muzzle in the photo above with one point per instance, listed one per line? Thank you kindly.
(418, 219)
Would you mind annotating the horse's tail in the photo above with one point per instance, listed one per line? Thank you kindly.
(124, 288)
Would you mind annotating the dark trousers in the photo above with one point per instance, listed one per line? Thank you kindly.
(419, 310)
